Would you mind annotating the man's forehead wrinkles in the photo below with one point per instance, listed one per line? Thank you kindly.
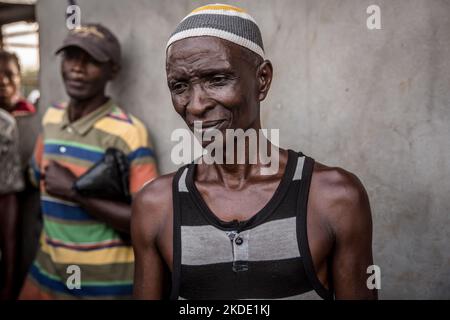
(198, 64)
(194, 55)
(197, 71)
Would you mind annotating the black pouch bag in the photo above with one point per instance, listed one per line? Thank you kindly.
(107, 179)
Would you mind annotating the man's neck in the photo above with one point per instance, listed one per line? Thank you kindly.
(80, 108)
(235, 175)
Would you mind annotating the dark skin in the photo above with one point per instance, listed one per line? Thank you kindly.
(211, 79)
(85, 80)
(9, 84)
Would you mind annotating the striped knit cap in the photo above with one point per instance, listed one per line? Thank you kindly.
(221, 21)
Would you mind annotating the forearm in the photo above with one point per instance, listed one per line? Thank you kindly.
(115, 214)
(150, 277)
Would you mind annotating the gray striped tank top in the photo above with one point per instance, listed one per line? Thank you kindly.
(265, 257)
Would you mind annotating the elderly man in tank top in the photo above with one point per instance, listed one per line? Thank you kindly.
(226, 230)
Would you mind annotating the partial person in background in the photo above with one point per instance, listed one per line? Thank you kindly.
(11, 182)
(28, 123)
(11, 98)
(88, 232)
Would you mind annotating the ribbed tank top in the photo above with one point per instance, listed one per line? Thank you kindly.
(265, 257)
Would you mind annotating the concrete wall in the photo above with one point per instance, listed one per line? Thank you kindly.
(374, 102)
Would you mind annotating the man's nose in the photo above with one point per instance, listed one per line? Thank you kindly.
(200, 101)
(77, 65)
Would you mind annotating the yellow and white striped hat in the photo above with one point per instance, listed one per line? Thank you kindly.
(221, 21)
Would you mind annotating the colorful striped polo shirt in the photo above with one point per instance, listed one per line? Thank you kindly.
(71, 236)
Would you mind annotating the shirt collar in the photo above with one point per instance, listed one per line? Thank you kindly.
(23, 108)
(84, 124)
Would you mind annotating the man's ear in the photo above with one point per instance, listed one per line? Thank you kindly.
(114, 71)
(264, 75)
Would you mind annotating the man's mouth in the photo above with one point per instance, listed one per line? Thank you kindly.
(205, 126)
(75, 83)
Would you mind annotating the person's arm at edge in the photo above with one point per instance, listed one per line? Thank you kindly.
(150, 211)
(350, 220)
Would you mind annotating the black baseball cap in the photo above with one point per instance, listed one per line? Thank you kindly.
(95, 39)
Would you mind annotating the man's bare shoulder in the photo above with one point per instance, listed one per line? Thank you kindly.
(339, 197)
(153, 203)
(337, 182)
(157, 192)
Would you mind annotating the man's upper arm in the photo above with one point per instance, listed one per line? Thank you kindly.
(351, 223)
(147, 220)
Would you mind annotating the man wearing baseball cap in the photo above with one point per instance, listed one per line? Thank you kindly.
(97, 41)
(85, 251)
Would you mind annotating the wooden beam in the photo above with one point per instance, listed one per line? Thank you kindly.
(20, 45)
(17, 13)
(19, 33)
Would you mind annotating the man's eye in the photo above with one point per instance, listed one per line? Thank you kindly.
(179, 87)
(94, 62)
(69, 55)
(218, 80)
